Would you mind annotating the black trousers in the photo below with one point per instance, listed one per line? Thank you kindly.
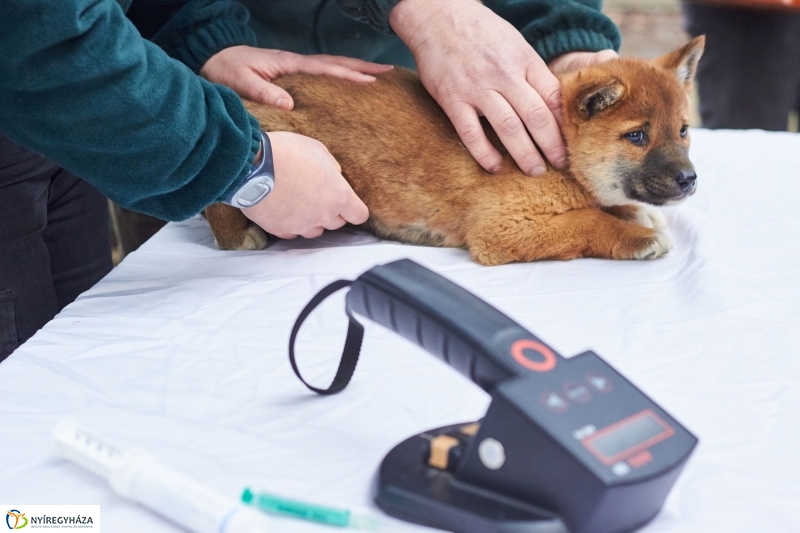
(53, 241)
(749, 76)
(133, 229)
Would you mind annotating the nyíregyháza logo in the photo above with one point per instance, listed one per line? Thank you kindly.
(39, 517)
(19, 519)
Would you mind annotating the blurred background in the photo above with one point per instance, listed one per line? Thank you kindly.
(654, 27)
(649, 28)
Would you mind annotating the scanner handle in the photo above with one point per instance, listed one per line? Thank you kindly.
(451, 323)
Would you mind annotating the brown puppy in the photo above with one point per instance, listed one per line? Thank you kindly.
(625, 125)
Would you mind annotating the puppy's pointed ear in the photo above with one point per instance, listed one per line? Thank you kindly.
(683, 61)
(596, 97)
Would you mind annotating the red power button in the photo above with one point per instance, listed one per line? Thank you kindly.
(518, 353)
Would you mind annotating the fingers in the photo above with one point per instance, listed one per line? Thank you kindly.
(313, 233)
(541, 124)
(587, 59)
(468, 125)
(333, 224)
(353, 210)
(335, 162)
(605, 55)
(548, 87)
(325, 68)
(511, 130)
(254, 87)
(355, 64)
(293, 63)
(336, 223)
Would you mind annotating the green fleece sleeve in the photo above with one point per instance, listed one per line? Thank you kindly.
(553, 27)
(80, 86)
(202, 28)
(556, 27)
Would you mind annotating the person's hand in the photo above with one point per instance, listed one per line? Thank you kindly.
(475, 63)
(248, 71)
(575, 60)
(310, 193)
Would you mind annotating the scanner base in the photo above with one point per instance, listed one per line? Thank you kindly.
(411, 490)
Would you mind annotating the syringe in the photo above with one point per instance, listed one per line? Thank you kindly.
(138, 476)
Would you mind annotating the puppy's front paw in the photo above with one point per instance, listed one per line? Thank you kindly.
(255, 238)
(252, 238)
(654, 247)
(641, 243)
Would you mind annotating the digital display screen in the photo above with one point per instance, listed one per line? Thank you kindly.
(252, 193)
(635, 433)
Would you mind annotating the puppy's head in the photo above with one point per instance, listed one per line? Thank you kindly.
(626, 127)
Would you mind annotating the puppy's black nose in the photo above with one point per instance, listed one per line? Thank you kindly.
(686, 179)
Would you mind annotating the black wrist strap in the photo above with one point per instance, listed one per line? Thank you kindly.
(352, 344)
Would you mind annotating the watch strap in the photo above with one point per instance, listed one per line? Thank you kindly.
(261, 176)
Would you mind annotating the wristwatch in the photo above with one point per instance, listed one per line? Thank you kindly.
(259, 183)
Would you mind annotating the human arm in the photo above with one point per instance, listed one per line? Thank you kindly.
(80, 86)
(213, 39)
(310, 194)
(473, 62)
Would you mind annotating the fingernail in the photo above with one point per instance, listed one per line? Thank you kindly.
(538, 169)
(388, 67)
(495, 169)
(280, 101)
(562, 163)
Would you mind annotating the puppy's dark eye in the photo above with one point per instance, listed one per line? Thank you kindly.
(637, 137)
(684, 131)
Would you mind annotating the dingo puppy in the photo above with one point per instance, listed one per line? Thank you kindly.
(625, 126)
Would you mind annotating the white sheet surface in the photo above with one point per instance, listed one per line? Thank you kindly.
(181, 350)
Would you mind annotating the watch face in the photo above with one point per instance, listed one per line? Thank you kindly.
(252, 193)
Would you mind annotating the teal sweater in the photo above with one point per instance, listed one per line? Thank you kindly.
(360, 28)
(80, 85)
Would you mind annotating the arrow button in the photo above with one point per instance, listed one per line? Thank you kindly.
(553, 401)
(599, 382)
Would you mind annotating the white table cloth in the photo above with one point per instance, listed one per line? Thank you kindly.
(182, 350)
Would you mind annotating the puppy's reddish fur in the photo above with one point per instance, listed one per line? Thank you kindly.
(403, 158)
